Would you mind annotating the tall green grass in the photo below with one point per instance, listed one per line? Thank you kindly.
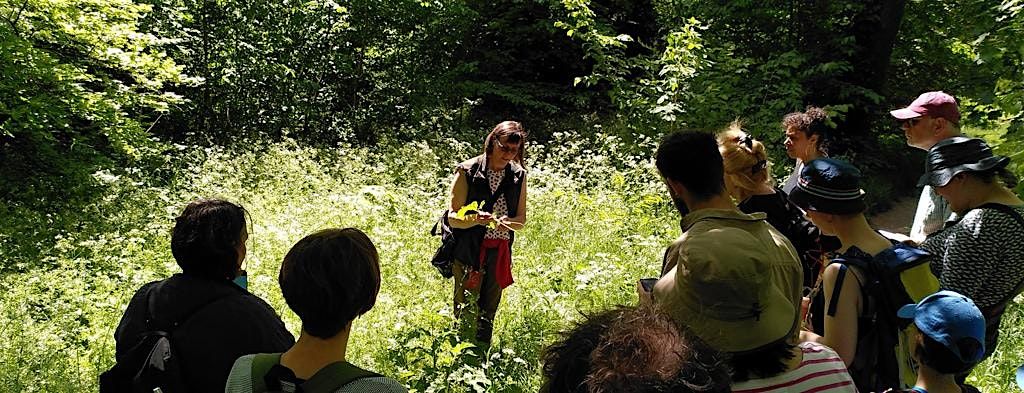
(599, 218)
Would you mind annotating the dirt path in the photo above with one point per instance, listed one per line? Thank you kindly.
(899, 218)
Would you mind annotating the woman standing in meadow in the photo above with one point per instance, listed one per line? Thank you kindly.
(496, 182)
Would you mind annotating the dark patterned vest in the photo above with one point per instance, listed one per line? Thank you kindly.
(467, 248)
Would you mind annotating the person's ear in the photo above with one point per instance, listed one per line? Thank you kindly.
(813, 139)
(916, 344)
(959, 178)
(675, 188)
(939, 125)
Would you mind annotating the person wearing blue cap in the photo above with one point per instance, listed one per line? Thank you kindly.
(950, 341)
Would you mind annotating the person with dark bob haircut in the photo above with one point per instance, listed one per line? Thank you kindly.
(328, 279)
(211, 316)
(635, 350)
(205, 240)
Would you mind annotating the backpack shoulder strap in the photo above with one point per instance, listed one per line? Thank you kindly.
(335, 375)
(1004, 209)
(833, 303)
(441, 225)
(261, 364)
(844, 264)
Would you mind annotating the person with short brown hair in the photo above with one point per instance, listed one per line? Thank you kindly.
(211, 317)
(328, 279)
(632, 350)
(806, 135)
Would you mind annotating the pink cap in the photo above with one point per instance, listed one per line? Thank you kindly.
(932, 103)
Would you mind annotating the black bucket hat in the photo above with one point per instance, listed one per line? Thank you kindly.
(955, 155)
(829, 186)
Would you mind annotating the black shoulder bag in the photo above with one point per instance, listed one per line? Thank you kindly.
(445, 254)
(151, 365)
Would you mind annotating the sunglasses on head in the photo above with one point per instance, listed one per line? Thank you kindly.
(747, 140)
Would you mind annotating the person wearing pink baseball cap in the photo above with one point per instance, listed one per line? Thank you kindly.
(933, 117)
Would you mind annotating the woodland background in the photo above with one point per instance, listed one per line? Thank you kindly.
(115, 113)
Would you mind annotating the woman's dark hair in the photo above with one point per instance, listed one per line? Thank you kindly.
(644, 350)
(329, 278)
(632, 350)
(812, 121)
(1004, 175)
(206, 237)
(513, 132)
(692, 159)
(567, 360)
(939, 358)
(764, 362)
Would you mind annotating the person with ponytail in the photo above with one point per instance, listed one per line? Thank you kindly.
(748, 180)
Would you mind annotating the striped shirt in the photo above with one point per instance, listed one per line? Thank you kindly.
(820, 371)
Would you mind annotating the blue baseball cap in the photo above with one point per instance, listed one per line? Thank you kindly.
(949, 317)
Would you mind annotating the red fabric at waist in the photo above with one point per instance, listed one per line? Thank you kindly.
(503, 269)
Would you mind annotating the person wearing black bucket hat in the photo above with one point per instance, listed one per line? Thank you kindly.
(829, 191)
(982, 254)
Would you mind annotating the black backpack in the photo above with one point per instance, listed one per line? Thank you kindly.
(897, 276)
(269, 376)
(150, 365)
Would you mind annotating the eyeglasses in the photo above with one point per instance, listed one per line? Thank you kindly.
(909, 122)
(506, 148)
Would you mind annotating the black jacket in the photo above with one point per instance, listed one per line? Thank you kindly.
(467, 246)
(785, 216)
(226, 322)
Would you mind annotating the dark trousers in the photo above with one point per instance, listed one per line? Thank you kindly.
(487, 295)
